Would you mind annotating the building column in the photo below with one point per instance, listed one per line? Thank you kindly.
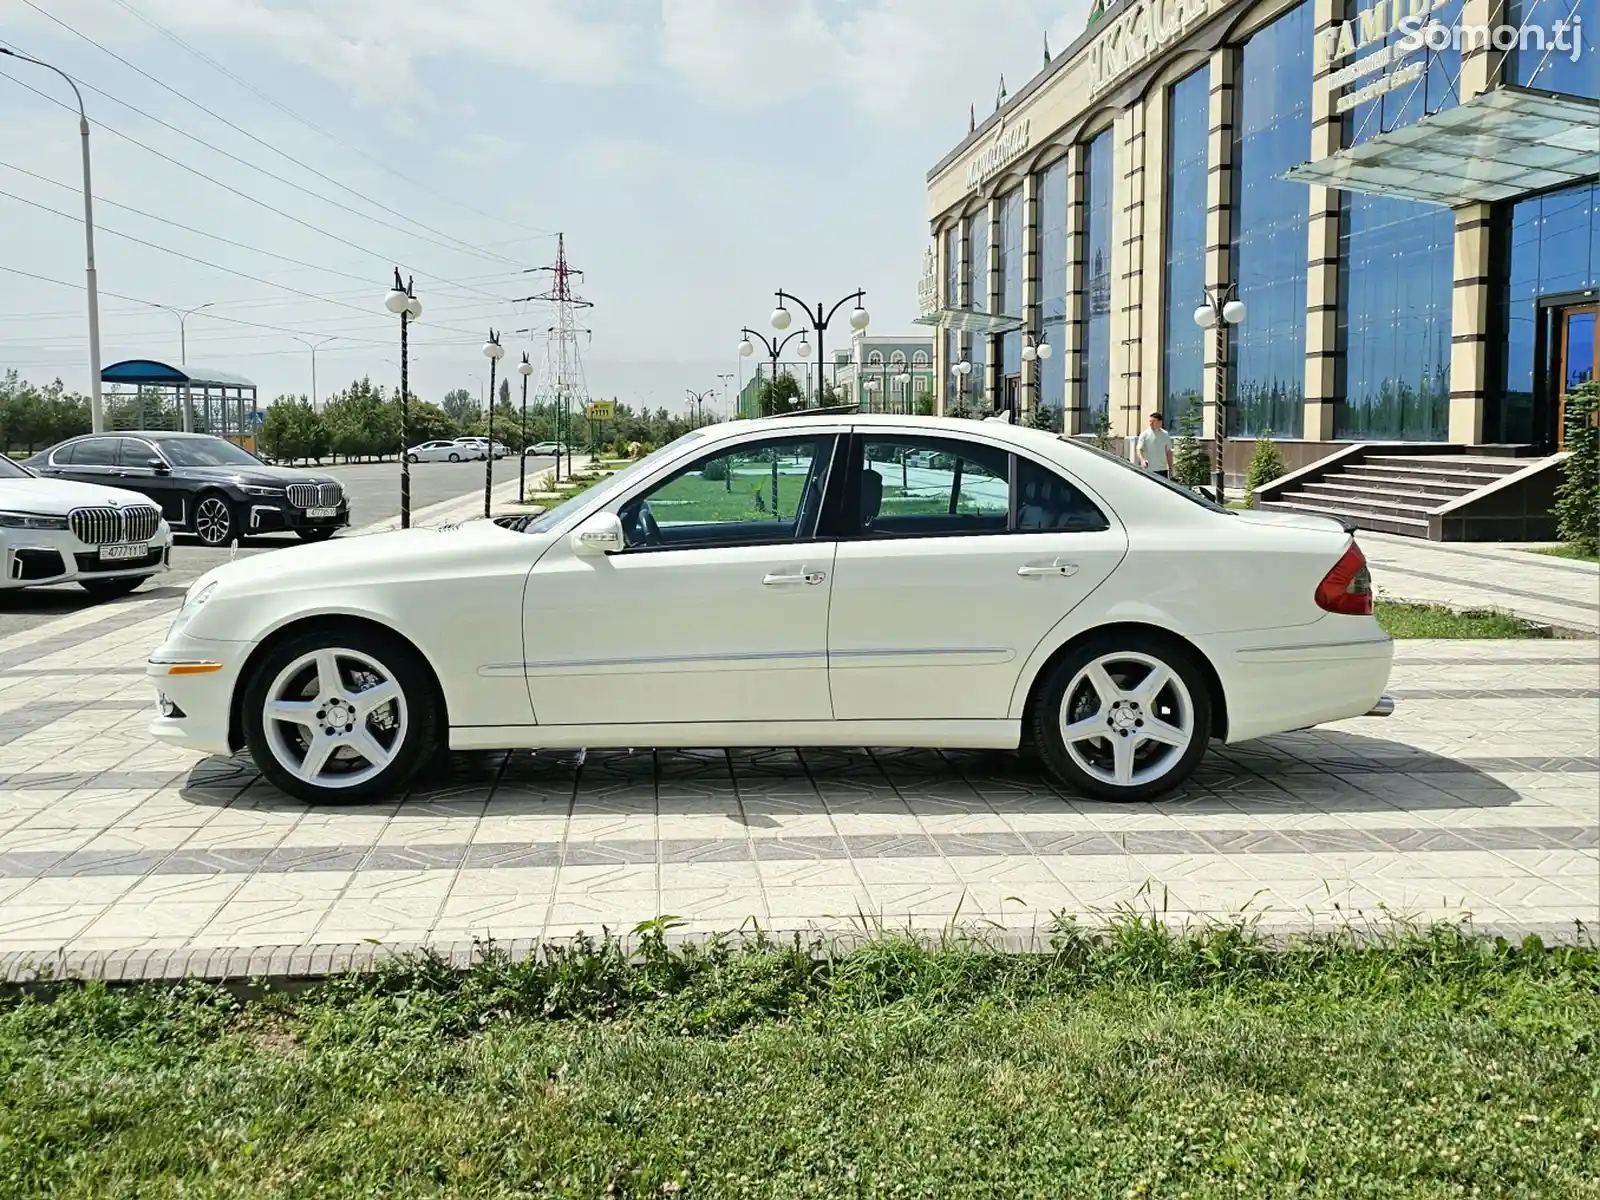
(1127, 272)
(1219, 208)
(1027, 389)
(941, 335)
(1157, 303)
(1322, 252)
(1481, 69)
(991, 357)
(1073, 405)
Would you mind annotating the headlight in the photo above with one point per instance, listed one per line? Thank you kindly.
(252, 490)
(22, 520)
(197, 595)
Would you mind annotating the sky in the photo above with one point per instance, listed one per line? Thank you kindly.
(275, 159)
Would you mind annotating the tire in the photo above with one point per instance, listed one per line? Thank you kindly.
(213, 519)
(320, 668)
(454, 457)
(111, 589)
(313, 535)
(412, 458)
(1125, 763)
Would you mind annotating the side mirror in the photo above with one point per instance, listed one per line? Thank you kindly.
(601, 534)
(158, 466)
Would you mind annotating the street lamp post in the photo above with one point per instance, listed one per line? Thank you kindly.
(183, 315)
(725, 376)
(1036, 350)
(524, 368)
(494, 352)
(697, 403)
(402, 302)
(904, 380)
(773, 347)
(819, 321)
(1221, 311)
(97, 411)
(314, 347)
(962, 370)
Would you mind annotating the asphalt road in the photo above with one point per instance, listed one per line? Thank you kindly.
(374, 491)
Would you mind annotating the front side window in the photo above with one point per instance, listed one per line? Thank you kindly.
(207, 452)
(751, 494)
(137, 452)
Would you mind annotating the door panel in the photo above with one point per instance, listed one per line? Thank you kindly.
(94, 460)
(136, 474)
(734, 633)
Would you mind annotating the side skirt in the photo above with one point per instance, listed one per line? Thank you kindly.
(940, 735)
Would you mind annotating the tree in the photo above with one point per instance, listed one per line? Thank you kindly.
(428, 423)
(779, 395)
(1578, 495)
(1103, 437)
(460, 407)
(505, 391)
(1266, 464)
(361, 423)
(1191, 463)
(1040, 416)
(292, 429)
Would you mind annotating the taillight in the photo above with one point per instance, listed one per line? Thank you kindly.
(1348, 587)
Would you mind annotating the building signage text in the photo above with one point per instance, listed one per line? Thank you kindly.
(1009, 141)
(928, 284)
(1145, 28)
(1371, 27)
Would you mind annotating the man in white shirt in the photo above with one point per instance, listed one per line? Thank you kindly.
(1154, 448)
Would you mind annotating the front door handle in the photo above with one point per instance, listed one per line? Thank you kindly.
(782, 580)
(1054, 567)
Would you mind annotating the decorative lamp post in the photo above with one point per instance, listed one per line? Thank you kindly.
(962, 370)
(1036, 350)
(904, 380)
(524, 368)
(403, 303)
(772, 346)
(1221, 311)
(819, 321)
(870, 387)
(494, 352)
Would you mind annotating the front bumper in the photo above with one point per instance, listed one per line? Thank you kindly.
(279, 516)
(194, 682)
(37, 558)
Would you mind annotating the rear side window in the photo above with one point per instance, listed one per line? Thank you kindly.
(63, 456)
(95, 452)
(1047, 503)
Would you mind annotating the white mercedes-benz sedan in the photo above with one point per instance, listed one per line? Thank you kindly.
(803, 581)
(106, 540)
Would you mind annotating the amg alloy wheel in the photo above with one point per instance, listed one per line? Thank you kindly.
(340, 717)
(1123, 718)
(213, 520)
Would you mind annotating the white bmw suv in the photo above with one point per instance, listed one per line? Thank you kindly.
(106, 540)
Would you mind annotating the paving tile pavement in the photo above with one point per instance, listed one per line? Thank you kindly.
(120, 857)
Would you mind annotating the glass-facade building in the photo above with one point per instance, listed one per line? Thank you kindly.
(1425, 295)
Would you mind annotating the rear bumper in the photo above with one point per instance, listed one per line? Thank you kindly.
(1316, 675)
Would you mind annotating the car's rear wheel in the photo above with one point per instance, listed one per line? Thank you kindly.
(342, 716)
(1123, 717)
(454, 457)
(412, 458)
(313, 535)
(111, 589)
(213, 520)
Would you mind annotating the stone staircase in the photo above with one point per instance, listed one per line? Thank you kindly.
(1409, 494)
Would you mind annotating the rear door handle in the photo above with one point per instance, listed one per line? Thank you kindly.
(788, 580)
(1054, 567)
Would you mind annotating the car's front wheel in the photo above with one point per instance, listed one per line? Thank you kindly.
(1123, 717)
(454, 457)
(213, 520)
(111, 589)
(340, 716)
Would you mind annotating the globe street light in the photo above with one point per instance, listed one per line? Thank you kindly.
(962, 370)
(494, 352)
(402, 302)
(314, 347)
(97, 411)
(1221, 311)
(904, 380)
(1036, 350)
(524, 368)
(819, 321)
(773, 346)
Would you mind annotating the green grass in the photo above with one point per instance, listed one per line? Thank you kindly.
(1405, 620)
(1568, 552)
(1134, 1063)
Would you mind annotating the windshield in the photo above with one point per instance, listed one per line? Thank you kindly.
(1188, 494)
(207, 452)
(10, 469)
(553, 517)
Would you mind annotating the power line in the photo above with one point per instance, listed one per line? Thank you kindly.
(226, 187)
(314, 127)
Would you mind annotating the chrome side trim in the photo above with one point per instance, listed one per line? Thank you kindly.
(1383, 708)
(501, 670)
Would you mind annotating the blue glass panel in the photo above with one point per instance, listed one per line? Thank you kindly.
(952, 267)
(1436, 89)
(1097, 217)
(1052, 375)
(977, 226)
(1559, 47)
(1272, 132)
(1182, 341)
(1555, 248)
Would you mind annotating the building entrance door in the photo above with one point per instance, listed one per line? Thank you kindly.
(1577, 357)
(1010, 397)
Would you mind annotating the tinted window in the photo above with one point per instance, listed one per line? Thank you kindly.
(13, 470)
(95, 452)
(137, 452)
(62, 455)
(1048, 503)
(916, 486)
(206, 452)
(756, 492)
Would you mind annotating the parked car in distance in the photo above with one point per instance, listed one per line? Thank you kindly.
(204, 485)
(762, 583)
(545, 449)
(446, 451)
(499, 448)
(106, 540)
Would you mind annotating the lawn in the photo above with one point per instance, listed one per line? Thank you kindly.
(1568, 551)
(1131, 1064)
(1401, 619)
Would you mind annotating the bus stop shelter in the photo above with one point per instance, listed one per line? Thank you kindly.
(200, 400)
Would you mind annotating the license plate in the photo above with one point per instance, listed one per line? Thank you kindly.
(321, 514)
(117, 553)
